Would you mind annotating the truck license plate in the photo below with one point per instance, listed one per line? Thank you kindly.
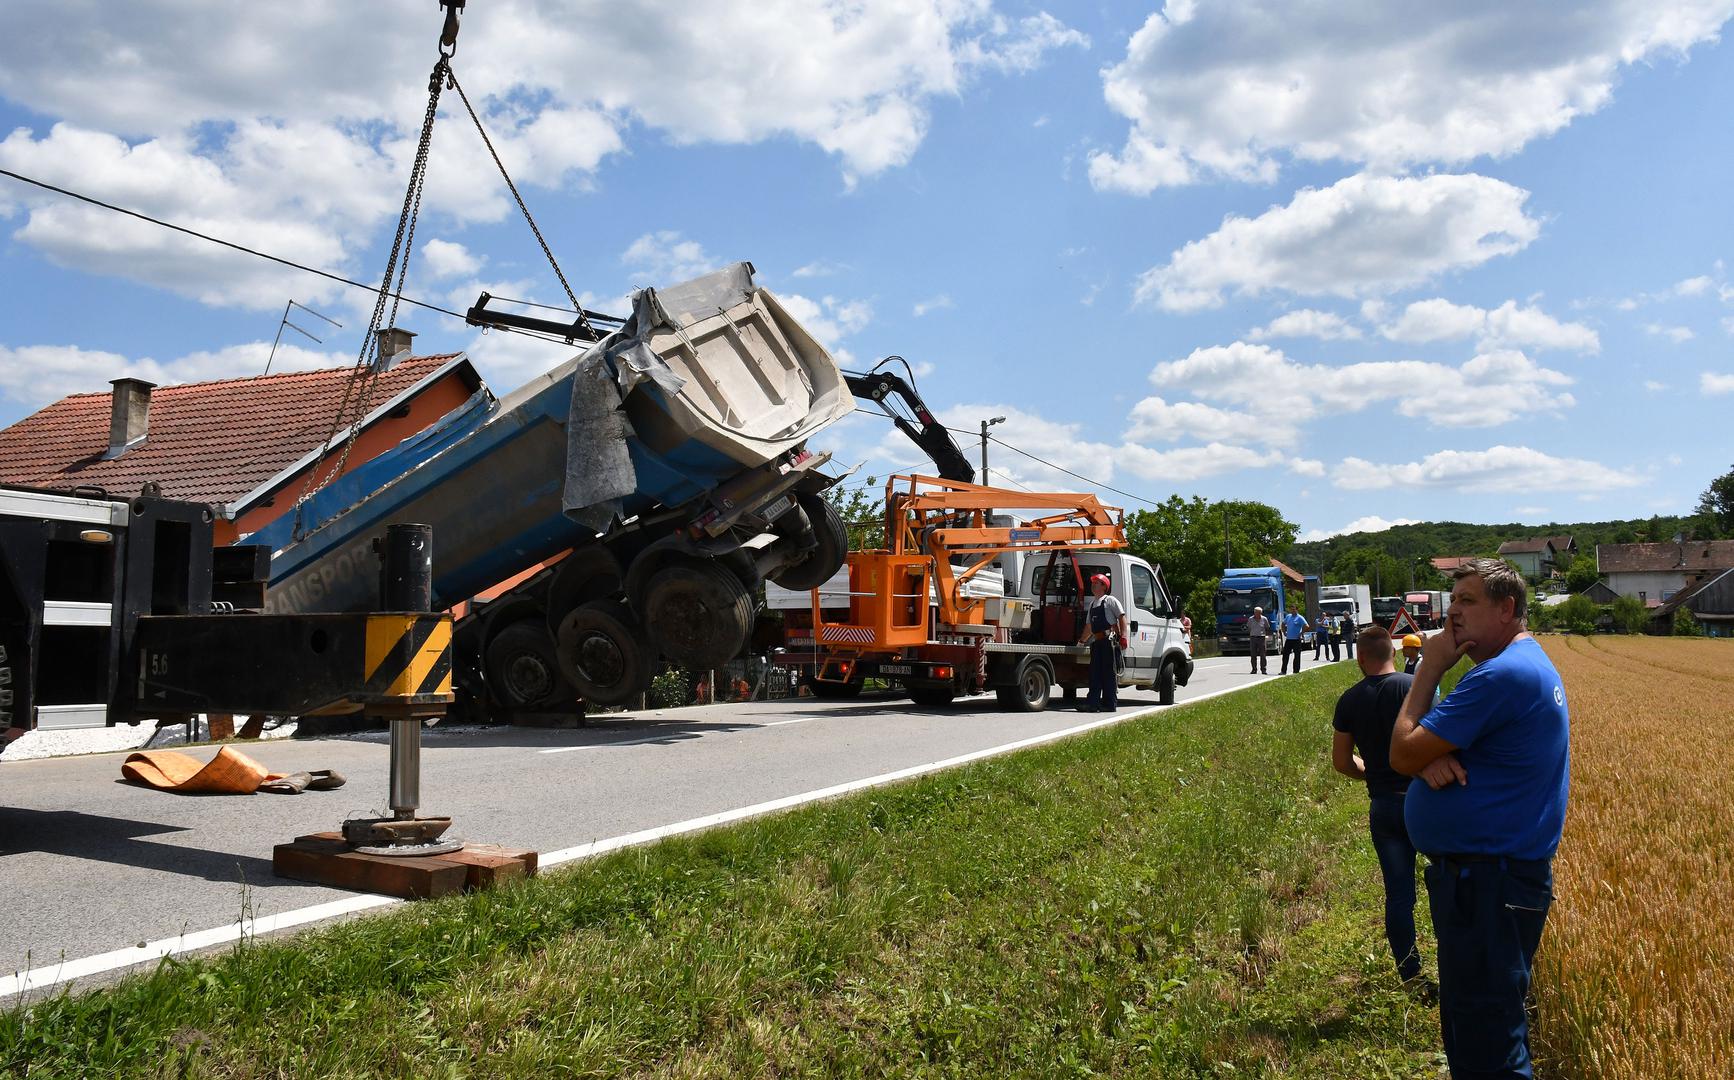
(777, 509)
(896, 669)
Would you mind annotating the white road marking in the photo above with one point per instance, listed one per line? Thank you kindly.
(23, 982)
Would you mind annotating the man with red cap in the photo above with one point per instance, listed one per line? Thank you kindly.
(1105, 631)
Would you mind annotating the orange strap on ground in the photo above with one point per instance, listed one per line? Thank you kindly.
(229, 773)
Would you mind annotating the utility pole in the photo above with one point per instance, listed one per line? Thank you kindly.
(1227, 553)
(985, 424)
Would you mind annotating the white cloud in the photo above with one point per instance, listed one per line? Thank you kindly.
(1307, 323)
(828, 319)
(1491, 388)
(446, 259)
(1694, 286)
(666, 258)
(1712, 382)
(1679, 335)
(1306, 467)
(1653, 386)
(1188, 463)
(1504, 326)
(1372, 523)
(1229, 88)
(205, 135)
(1156, 420)
(819, 268)
(1363, 235)
(933, 303)
(1498, 468)
(34, 375)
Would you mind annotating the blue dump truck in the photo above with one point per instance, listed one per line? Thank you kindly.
(666, 467)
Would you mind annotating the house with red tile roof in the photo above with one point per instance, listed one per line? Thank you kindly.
(245, 446)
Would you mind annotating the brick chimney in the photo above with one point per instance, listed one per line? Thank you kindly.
(129, 414)
(394, 343)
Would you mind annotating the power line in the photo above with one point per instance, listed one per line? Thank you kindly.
(1039, 460)
(244, 249)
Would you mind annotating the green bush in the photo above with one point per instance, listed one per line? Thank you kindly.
(1630, 614)
(1578, 615)
(1541, 617)
(669, 689)
(1686, 624)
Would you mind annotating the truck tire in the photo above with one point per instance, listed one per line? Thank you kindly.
(603, 651)
(1165, 684)
(823, 561)
(1029, 692)
(833, 691)
(523, 667)
(697, 613)
(932, 697)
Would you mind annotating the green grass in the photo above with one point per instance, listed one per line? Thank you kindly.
(1190, 894)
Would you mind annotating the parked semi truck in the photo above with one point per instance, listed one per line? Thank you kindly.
(1355, 601)
(666, 467)
(1427, 607)
(963, 599)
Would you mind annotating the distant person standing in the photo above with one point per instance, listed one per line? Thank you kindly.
(1257, 633)
(1321, 635)
(1361, 750)
(1294, 628)
(1106, 629)
(1346, 630)
(1496, 758)
(1411, 653)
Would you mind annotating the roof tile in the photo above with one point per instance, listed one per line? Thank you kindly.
(206, 442)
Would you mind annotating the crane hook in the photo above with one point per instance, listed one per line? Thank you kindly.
(449, 33)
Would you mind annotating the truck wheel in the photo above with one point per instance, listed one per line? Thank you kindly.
(823, 561)
(1030, 692)
(523, 667)
(1165, 684)
(603, 651)
(833, 691)
(933, 697)
(697, 613)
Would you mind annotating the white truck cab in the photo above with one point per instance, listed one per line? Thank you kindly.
(1156, 632)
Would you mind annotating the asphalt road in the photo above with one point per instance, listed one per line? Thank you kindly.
(92, 865)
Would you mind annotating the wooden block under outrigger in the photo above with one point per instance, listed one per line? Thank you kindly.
(325, 859)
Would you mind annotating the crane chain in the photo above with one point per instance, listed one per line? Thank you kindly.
(365, 375)
(583, 320)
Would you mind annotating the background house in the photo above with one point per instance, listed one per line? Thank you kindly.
(1656, 572)
(1711, 602)
(243, 445)
(1532, 557)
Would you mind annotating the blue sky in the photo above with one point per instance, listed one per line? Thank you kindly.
(1368, 263)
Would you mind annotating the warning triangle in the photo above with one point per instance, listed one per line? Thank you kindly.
(1403, 616)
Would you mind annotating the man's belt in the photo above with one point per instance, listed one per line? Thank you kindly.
(1469, 858)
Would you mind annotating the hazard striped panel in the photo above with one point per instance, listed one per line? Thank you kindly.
(409, 656)
(853, 635)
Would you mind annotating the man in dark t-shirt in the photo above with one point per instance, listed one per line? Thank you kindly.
(1361, 750)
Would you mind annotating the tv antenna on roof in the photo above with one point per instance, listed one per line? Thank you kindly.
(284, 321)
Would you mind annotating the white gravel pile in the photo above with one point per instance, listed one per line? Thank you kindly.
(45, 744)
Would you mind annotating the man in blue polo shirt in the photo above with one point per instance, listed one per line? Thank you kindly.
(1294, 628)
(1495, 756)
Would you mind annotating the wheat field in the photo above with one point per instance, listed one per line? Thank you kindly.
(1635, 978)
